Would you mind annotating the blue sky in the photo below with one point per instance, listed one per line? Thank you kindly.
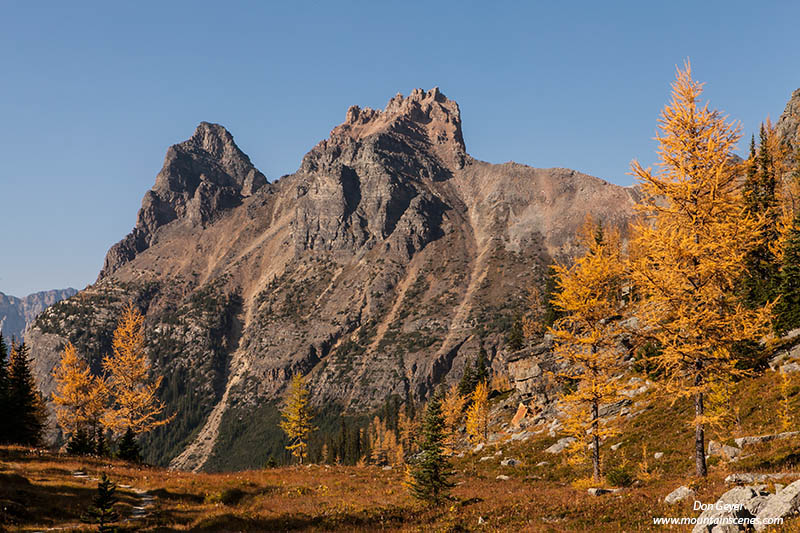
(92, 94)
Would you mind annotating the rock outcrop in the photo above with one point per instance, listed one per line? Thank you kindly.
(388, 260)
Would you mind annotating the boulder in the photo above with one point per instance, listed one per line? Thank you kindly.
(737, 503)
(747, 478)
(561, 445)
(658, 455)
(723, 450)
(509, 462)
(501, 477)
(521, 436)
(783, 504)
(522, 411)
(679, 494)
(600, 491)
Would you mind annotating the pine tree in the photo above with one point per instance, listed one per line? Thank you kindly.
(102, 510)
(688, 255)
(5, 412)
(129, 448)
(296, 417)
(430, 473)
(79, 398)
(25, 402)
(468, 381)
(478, 414)
(787, 309)
(586, 336)
(760, 282)
(135, 394)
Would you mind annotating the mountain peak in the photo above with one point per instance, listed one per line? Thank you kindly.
(427, 116)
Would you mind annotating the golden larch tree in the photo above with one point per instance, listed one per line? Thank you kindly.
(134, 393)
(453, 412)
(296, 417)
(586, 337)
(688, 251)
(478, 414)
(79, 396)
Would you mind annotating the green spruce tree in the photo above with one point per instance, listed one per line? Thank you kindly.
(129, 448)
(760, 283)
(430, 473)
(102, 510)
(24, 400)
(5, 411)
(787, 310)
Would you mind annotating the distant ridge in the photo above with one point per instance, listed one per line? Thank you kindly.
(16, 314)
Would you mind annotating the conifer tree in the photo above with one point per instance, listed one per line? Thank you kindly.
(5, 412)
(430, 473)
(453, 410)
(296, 417)
(689, 253)
(102, 510)
(478, 414)
(79, 398)
(24, 400)
(135, 402)
(586, 336)
(760, 282)
(787, 308)
(128, 447)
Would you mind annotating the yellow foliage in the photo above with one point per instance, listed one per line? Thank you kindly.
(134, 393)
(296, 417)
(785, 410)
(688, 252)
(453, 412)
(386, 449)
(407, 429)
(79, 396)
(478, 414)
(586, 336)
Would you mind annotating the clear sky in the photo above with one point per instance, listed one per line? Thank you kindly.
(92, 94)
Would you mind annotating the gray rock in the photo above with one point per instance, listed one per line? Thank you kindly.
(601, 491)
(486, 458)
(658, 455)
(543, 463)
(502, 477)
(679, 494)
(748, 478)
(509, 462)
(737, 503)
(561, 445)
(723, 450)
(612, 409)
(615, 447)
(479, 447)
(746, 441)
(521, 436)
(781, 505)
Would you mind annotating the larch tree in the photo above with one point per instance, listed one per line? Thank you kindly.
(134, 393)
(478, 414)
(689, 250)
(296, 417)
(79, 396)
(453, 405)
(585, 337)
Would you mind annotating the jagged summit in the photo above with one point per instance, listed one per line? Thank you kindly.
(424, 116)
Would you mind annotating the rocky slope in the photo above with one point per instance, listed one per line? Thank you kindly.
(16, 314)
(384, 263)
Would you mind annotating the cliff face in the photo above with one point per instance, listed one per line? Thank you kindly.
(16, 314)
(384, 263)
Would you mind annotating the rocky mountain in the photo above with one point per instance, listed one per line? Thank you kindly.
(17, 313)
(389, 259)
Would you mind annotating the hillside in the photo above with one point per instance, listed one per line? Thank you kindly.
(16, 314)
(388, 260)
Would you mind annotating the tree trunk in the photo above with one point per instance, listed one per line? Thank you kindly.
(699, 437)
(595, 443)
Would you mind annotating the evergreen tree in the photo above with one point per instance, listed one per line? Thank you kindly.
(102, 510)
(25, 402)
(80, 443)
(760, 283)
(467, 383)
(129, 448)
(481, 368)
(100, 443)
(787, 309)
(5, 412)
(431, 471)
(515, 338)
(551, 290)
